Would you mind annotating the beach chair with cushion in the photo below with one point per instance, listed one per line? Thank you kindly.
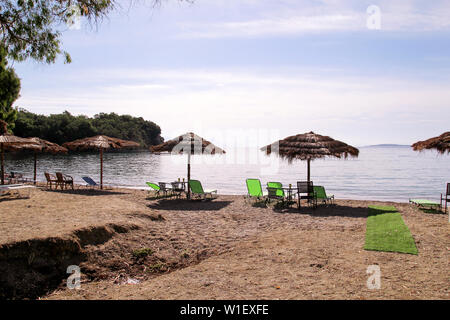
(305, 191)
(321, 195)
(198, 192)
(254, 189)
(17, 190)
(51, 179)
(446, 198)
(64, 180)
(154, 187)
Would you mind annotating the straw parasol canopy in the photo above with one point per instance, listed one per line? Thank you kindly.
(441, 143)
(8, 140)
(37, 145)
(310, 146)
(100, 143)
(190, 144)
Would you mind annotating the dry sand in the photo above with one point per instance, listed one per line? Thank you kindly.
(225, 248)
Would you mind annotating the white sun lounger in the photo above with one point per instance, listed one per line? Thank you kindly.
(16, 189)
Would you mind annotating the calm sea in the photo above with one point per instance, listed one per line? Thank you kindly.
(379, 173)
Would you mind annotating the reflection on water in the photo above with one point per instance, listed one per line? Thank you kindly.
(395, 173)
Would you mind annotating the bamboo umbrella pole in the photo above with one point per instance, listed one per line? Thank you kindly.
(35, 167)
(101, 168)
(309, 170)
(189, 175)
(2, 167)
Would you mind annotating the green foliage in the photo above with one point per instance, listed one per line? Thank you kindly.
(32, 28)
(386, 231)
(9, 90)
(65, 127)
(127, 127)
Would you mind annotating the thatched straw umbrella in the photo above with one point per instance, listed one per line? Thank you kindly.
(190, 144)
(441, 143)
(7, 140)
(44, 147)
(100, 143)
(310, 146)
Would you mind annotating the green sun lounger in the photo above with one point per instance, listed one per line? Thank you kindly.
(254, 189)
(321, 195)
(425, 203)
(198, 192)
(155, 188)
(275, 191)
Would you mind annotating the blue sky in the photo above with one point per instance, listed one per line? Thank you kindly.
(288, 67)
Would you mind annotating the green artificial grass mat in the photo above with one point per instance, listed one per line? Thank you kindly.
(386, 231)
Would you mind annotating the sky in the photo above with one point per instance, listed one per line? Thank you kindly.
(363, 72)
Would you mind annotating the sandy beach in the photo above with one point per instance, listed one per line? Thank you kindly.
(130, 246)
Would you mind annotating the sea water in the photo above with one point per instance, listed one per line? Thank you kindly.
(395, 173)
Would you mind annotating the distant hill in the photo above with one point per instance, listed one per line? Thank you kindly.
(65, 127)
(387, 145)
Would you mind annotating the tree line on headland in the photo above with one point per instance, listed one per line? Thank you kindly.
(65, 127)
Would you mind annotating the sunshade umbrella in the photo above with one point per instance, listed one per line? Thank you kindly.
(190, 144)
(100, 143)
(7, 140)
(44, 147)
(310, 146)
(441, 143)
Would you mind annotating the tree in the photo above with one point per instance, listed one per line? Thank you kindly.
(65, 127)
(32, 28)
(9, 90)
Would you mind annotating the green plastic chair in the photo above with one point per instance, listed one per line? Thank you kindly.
(197, 190)
(155, 187)
(254, 189)
(321, 195)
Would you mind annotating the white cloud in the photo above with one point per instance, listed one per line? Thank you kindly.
(291, 102)
(270, 27)
(264, 18)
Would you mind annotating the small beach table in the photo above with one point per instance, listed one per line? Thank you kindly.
(179, 186)
(425, 203)
(290, 192)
